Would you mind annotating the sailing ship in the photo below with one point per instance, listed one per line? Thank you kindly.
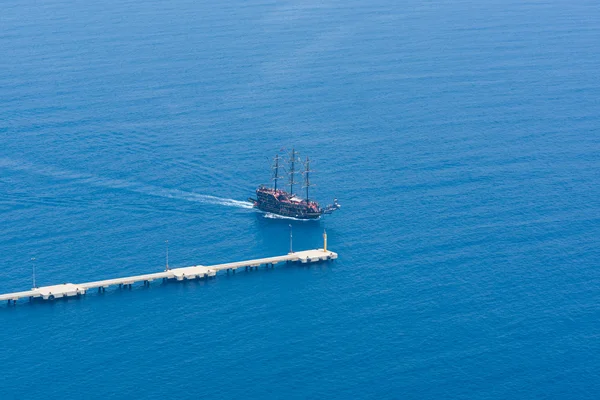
(288, 204)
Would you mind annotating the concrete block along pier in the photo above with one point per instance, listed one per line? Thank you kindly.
(179, 274)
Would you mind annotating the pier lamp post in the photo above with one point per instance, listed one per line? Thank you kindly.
(167, 266)
(291, 249)
(33, 271)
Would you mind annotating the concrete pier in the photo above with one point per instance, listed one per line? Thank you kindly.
(179, 274)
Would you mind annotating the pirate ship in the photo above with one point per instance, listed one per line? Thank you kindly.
(288, 204)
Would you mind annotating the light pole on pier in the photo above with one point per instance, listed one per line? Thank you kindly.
(291, 249)
(33, 271)
(167, 266)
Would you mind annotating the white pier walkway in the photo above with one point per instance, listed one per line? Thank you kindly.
(193, 272)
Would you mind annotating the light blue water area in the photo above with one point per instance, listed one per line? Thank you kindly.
(462, 139)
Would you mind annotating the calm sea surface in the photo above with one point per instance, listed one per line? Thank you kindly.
(462, 139)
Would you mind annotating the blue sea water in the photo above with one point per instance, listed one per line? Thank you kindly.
(462, 139)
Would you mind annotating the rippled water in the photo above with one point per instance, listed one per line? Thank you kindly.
(461, 139)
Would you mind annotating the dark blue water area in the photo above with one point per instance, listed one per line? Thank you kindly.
(462, 139)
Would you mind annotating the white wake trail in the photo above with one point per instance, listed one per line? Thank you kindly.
(149, 190)
(206, 199)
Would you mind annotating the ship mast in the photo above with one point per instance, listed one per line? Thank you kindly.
(292, 170)
(276, 168)
(306, 173)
